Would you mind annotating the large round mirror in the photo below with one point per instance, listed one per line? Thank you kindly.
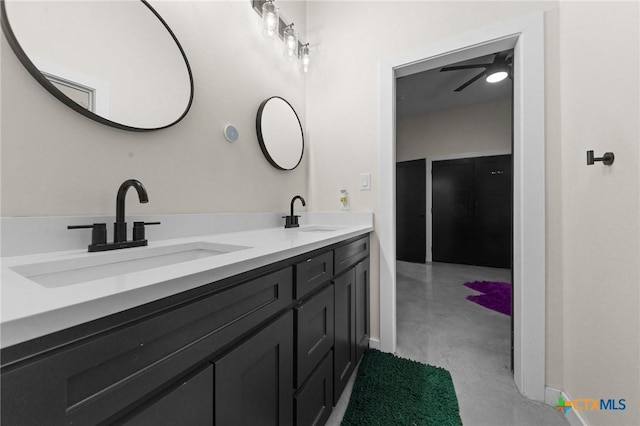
(280, 133)
(116, 62)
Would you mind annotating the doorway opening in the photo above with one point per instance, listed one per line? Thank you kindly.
(524, 35)
(454, 217)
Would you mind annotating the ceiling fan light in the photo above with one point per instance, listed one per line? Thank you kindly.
(497, 76)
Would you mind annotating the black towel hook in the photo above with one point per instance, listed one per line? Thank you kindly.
(607, 158)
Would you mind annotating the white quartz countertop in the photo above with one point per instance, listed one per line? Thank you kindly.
(31, 310)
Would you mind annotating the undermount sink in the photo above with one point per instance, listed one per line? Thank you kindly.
(65, 272)
(319, 229)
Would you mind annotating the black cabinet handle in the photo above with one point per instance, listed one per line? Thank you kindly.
(99, 233)
(138, 229)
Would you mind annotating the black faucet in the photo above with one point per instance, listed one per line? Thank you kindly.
(120, 226)
(292, 220)
(99, 233)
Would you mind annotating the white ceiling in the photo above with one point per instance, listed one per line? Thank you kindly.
(434, 90)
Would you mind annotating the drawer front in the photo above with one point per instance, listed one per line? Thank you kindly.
(314, 332)
(189, 403)
(97, 379)
(313, 403)
(348, 254)
(312, 273)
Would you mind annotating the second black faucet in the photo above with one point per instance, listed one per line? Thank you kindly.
(291, 221)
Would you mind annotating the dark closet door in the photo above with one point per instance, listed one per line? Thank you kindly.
(472, 211)
(493, 211)
(452, 224)
(410, 211)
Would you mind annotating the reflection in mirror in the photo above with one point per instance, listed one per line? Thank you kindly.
(280, 133)
(116, 62)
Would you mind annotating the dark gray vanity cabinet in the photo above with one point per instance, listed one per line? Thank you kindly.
(253, 382)
(107, 371)
(270, 346)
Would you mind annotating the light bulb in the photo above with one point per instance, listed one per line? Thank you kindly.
(291, 42)
(270, 19)
(497, 76)
(304, 53)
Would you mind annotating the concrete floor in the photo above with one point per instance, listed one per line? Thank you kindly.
(438, 326)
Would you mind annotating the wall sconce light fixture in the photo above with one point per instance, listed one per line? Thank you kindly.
(270, 19)
(273, 25)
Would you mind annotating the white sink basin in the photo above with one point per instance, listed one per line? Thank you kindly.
(319, 228)
(65, 272)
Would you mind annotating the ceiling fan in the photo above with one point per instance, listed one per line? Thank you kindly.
(496, 71)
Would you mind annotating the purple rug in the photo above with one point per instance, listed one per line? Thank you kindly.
(497, 296)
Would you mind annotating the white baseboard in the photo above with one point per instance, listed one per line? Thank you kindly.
(551, 395)
(374, 343)
(551, 398)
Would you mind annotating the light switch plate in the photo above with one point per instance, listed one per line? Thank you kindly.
(365, 181)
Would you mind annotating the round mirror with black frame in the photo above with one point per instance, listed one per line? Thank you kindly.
(280, 133)
(116, 62)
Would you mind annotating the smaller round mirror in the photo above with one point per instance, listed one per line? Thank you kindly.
(280, 133)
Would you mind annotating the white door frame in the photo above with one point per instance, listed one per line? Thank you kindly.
(526, 36)
(428, 167)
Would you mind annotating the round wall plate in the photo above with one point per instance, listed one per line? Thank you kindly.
(231, 133)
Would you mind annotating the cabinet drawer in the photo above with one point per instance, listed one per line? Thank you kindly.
(314, 332)
(189, 403)
(312, 273)
(314, 401)
(94, 380)
(348, 254)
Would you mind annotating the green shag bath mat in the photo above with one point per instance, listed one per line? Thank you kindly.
(390, 390)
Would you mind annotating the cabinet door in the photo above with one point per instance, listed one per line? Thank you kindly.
(344, 331)
(362, 308)
(189, 403)
(254, 382)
